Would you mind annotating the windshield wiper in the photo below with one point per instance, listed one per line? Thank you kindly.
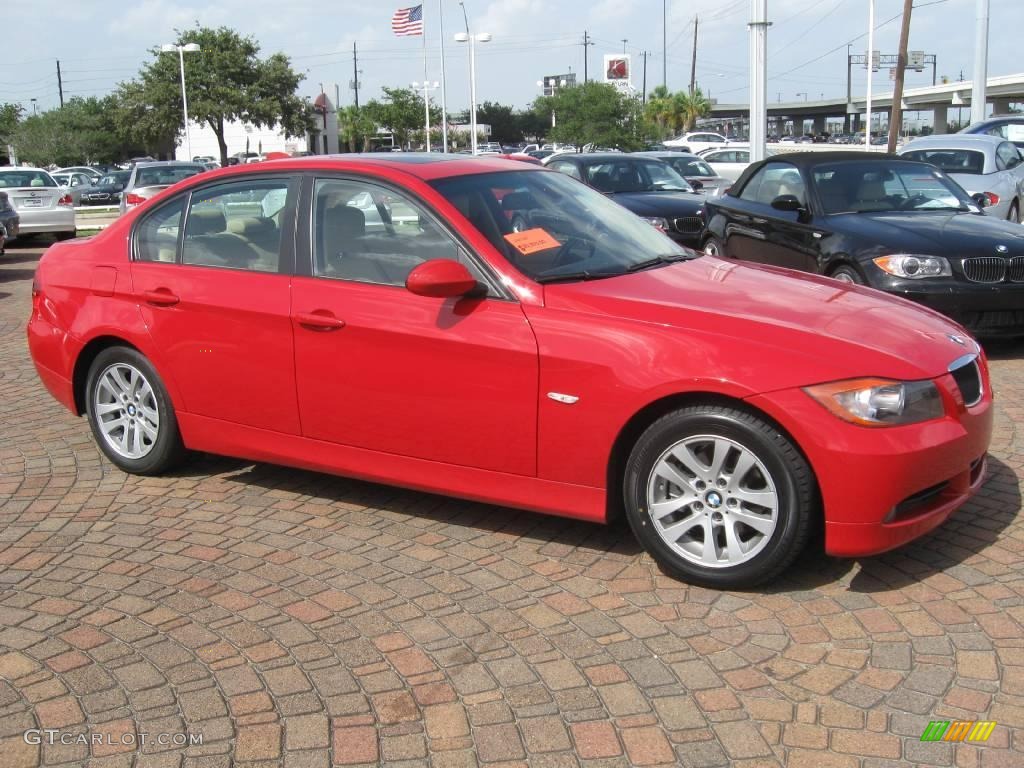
(570, 276)
(657, 261)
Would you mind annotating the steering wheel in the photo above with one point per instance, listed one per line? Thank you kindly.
(562, 257)
(912, 202)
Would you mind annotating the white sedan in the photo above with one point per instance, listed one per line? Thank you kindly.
(42, 205)
(731, 162)
(696, 142)
(981, 164)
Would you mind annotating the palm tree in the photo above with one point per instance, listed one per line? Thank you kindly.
(356, 128)
(692, 107)
(659, 110)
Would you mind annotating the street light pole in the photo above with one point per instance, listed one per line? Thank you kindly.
(472, 39)
(871, 69)
(182, 50)
(427, 87)
(758, 32)
(978, 95)
(552, 85)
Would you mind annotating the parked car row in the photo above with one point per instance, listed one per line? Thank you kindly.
(497, 331)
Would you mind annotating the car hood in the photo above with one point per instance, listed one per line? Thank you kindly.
(818, 329)
(953, 234)
(668, 204)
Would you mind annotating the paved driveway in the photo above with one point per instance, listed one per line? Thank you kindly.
(293, 618)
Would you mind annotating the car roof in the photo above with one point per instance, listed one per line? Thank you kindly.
(662, 153)
(957, 141)
(422, 165)
(806, 159)
(995, 120)
(165, 163)
(23, 168)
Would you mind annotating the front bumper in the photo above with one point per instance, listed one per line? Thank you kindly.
(883, 487)
(985, 309)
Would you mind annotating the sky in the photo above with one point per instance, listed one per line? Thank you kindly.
(100, 44)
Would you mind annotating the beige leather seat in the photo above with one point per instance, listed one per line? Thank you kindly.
(871, 196)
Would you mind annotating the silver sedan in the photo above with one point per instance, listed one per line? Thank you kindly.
(986, 165)
(42, 206)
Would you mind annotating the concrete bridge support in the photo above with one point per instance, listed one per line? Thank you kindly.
(940, 120)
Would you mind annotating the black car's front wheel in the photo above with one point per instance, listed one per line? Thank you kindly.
(847, 274)
(718, 496)
(714, 247)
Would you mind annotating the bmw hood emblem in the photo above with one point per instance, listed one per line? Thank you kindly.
(956, 339)
(1001, 249)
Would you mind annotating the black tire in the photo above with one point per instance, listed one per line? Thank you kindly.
(847, 274)
(167, 449)
(61, 236)
(795, 490)
(1014, 213)
(714, 247)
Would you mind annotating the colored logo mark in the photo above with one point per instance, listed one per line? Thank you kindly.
(958, 730)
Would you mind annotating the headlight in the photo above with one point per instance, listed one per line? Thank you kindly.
(657, 221)
(880, 402)
(914, 267)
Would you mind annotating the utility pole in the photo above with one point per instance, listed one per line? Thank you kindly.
(896, 113)
(980, 63)
(693, 60)
(848, 122)
(664, 44)
(355, 73)
(643, 93)
(758, 32)
(60, 85)
(587, 42)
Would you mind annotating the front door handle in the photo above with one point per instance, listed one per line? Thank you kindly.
(319, 320)
(161, 297)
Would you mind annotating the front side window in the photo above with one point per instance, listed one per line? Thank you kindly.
(1008, 155)
(772, 181)
(372, 234)
(236, 225)
(550, 228)
(876, 186)
(156, 238)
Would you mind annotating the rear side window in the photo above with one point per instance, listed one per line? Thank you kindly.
(569, 169)
(1007, 156)
(156, 239)
(236, 225)
(772, 181)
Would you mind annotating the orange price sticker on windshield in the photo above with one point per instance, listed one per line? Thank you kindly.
(531, 241)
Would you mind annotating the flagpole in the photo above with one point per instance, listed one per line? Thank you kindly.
(444, 100)
(426, 98)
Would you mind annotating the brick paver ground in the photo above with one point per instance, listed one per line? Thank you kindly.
(311, 621)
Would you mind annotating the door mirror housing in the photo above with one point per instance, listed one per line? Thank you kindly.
(697, 185)
(442, 279)
(792, 204)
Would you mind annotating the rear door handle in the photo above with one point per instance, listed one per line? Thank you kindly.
(319, 320)
(161, 297)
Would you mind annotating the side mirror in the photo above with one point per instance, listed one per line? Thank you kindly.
(441, 279)
(981, 199)
(787, 203)
(697, 186)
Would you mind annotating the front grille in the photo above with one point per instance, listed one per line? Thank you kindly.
(968, 379)
(689, 225)
(1016, 270)
(985, 269)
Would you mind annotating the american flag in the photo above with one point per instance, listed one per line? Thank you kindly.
(408, 21)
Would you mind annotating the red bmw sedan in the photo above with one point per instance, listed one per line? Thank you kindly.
(380, 317)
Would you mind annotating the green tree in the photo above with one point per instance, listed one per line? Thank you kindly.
(691, 107)
(402, 113)
(85, 130)
(506, 127)
(226, 81)
(356, 128)
(10, 114)
(591, 113)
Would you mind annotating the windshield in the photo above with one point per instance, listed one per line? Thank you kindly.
(950, 160)
(165, 175)
(690, 166)
(552, 227)
(629, 175)
(875, 186)
(115, 178)
(26, 179)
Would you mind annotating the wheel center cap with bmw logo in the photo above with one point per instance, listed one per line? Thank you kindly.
(131, 410)
(713, 499)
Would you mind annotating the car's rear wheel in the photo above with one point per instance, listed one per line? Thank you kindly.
(130, 413)
(847, 274)
(718, 496)
(60, 236)
(1014, 213)
(714, 247)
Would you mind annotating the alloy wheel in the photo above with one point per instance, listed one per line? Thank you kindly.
(712, 501)
(126, 410)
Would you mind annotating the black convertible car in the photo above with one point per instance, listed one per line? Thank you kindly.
(649, 188)
(900, 226)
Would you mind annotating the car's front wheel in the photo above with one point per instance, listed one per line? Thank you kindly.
(714, 247)
(131, 414)
(847, 274)
(718, 496)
